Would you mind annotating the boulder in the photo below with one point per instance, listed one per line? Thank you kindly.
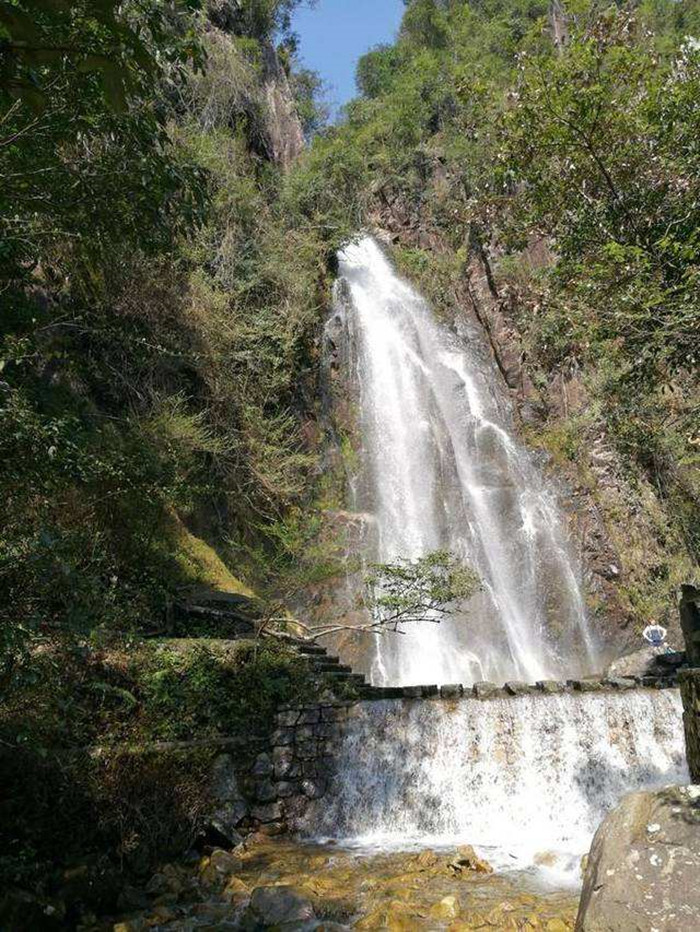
(263, 766)
(643, 865)
(643, 662)
(277, 906)
(229, 805)
(467, 859)
(217, 868)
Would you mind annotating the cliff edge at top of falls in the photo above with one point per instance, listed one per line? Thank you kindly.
(643, 866)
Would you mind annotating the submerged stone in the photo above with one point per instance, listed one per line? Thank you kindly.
(276, 906)
(467, 859)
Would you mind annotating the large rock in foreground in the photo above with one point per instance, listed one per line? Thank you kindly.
(642, 872)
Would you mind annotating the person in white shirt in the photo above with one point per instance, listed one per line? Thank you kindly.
(655, 635)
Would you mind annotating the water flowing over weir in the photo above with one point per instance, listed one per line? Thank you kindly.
(441, 469)
(526, 780)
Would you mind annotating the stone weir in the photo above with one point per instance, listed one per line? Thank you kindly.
(302, 772)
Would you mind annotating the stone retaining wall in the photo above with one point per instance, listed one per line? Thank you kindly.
(690, 693)
(299, 762)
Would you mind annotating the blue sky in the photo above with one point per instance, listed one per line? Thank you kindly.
(335, 33)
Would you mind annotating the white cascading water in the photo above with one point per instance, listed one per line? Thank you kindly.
(441, 469)
(526, 780)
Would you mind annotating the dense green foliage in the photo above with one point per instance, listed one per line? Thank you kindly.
(428, 589)
(83, 779)
(158, 307)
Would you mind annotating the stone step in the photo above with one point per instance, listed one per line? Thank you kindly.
(312, 650)
(342, 677)
(332, 667)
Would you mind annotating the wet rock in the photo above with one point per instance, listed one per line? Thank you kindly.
(313, 789)
(276, 906)
(168, 880)
(273, 829)
(285, 766)
(447, 908)
(266, 791)
(550, 687)
(643, 662)
(514, 688)
(394, 917)
(690, 693)
(161, 915)
(671, 661)
(285, 789)
(587, 686)
(220, 826)
(425, 860)
(236, 892)
(643, 865)
(467, 859)
(270, 813)
(485, 690)
(620, 682)
(221, 829)
(263, 766)
(451, 691)
(218, 866)
(419, 692)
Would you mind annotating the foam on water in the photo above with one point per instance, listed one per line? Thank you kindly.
(525, 780)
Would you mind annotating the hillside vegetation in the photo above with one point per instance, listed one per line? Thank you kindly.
(159, 307)
(557, 145)
(170, 206)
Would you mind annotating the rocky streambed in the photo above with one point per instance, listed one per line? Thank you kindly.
(279, 884)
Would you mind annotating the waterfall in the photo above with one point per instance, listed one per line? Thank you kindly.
(442, 469)
(526, 780)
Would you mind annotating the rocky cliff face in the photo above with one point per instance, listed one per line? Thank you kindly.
(632, 558)
(284, 137)
(256, 83)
